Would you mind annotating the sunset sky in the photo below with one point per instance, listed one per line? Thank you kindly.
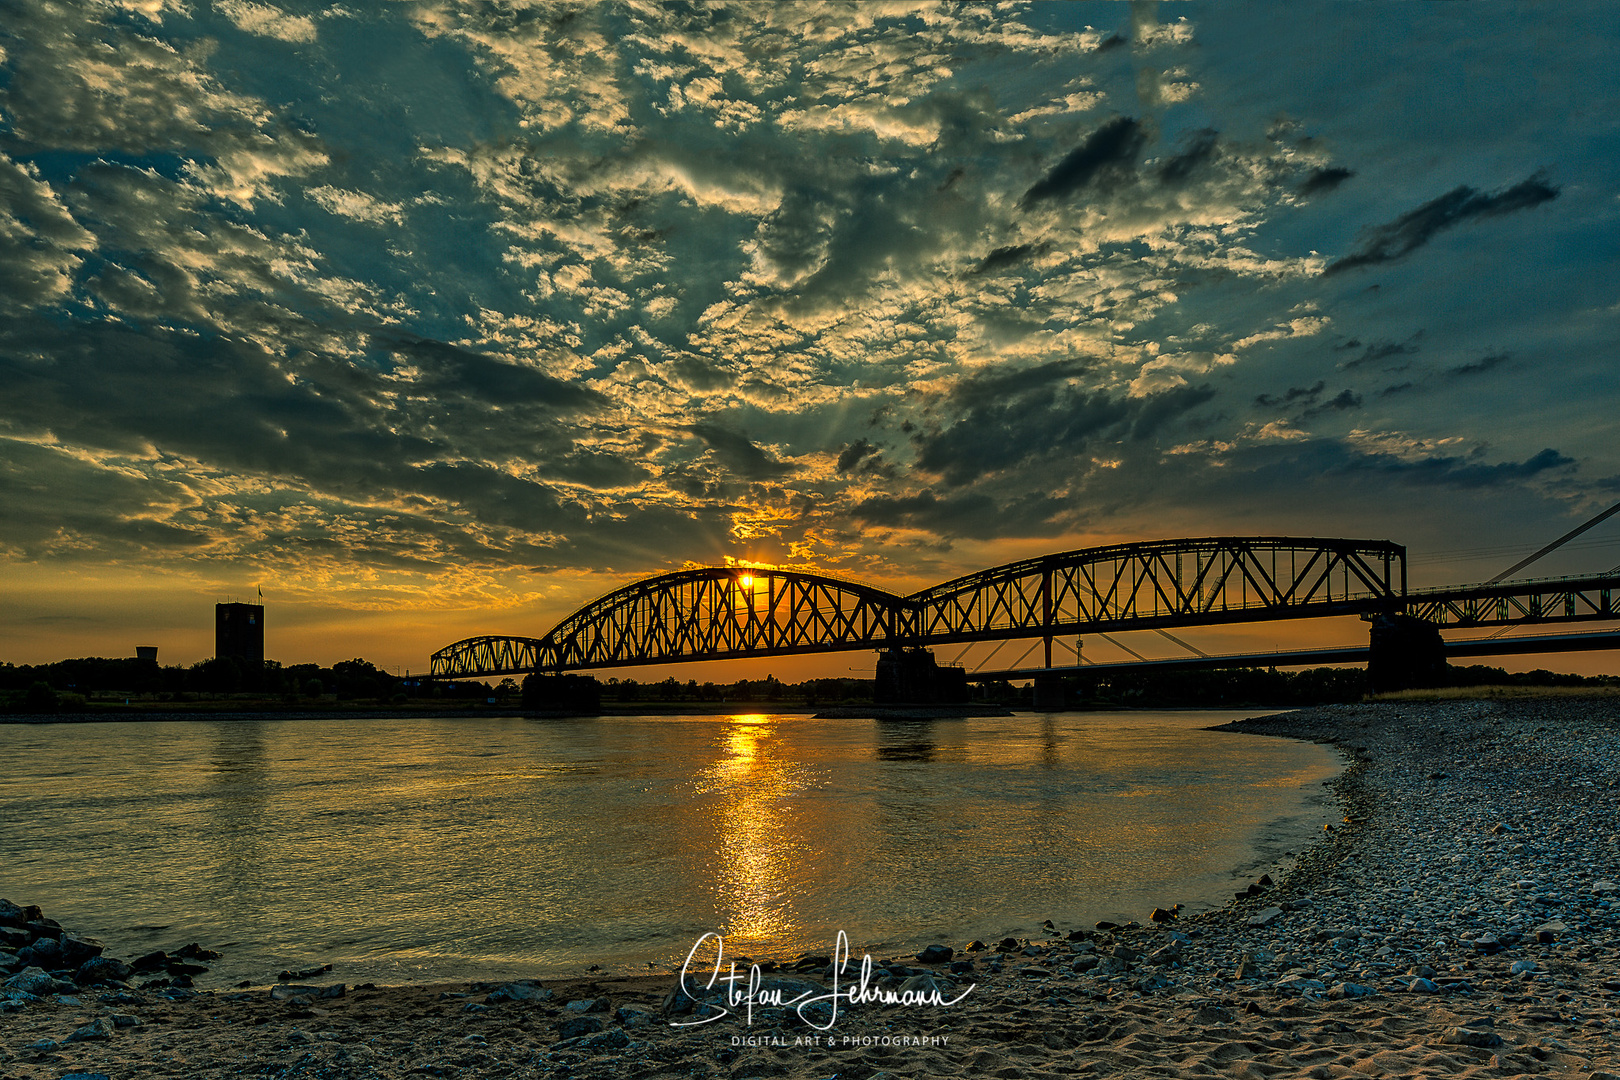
(432, 318)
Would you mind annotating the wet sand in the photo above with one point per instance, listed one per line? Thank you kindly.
(1461, 921)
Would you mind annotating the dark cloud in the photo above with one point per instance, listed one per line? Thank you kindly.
(1003, 257)
(1398, 388)
(1295, 393)
(1462, 204)
(1382, 350)
(1004, 421)
(972, 515)
(990, 385)
(739, 455)
(1199, 151)
(1321, 181)
(1107, 155)
(1483, 364)
(860, 454)
(1345, 399)
(457, 371)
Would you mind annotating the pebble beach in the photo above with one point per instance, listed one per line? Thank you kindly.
(1461, 919)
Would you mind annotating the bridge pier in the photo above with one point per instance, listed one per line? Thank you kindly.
(563, 695)
(1048, 693)
(911, 677)
(1405, 653)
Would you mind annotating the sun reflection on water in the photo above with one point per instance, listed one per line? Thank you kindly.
(757, 847)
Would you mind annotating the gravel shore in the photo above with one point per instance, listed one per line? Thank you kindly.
(1462, 920)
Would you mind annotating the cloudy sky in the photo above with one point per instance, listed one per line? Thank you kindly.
(433, 318)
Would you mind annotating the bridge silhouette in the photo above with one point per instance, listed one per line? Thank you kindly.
(720, 613)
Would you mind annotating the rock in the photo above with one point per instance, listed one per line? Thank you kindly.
(1604, 888)
(1008, 944)
(1034, 972)
(124, 1020)
(1246, 968)
(101, 969)
(522, 990)
(195, 951)
(608, 1040)
(1033, 950)
(32, 980)
(1341, 991)
(976, 946)
(1465, 1036)
(1423, 986)
(43, 1046)
(1523, 967)
(17, 916)
(634, 1018)
(592, 1005)
(1501, 828)
(1165, 954)
(95, 1031)
(920, 984)
(76, 950)
(44, 952)
(291, 991)
(936, 954)
(1160, 915)
(961, 967)
(575, 1026)
(1266, 916)
(1150, 982)
(1299, 984)
(85, 1076)
(1085, 963)
(1109, 965)
(12, 938)
(152, 961)
(1550, 931)
(1487, 945)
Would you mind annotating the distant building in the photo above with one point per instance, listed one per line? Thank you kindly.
(239, 632)
(147, 652)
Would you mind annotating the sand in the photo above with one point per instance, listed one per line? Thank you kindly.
(1459, 922)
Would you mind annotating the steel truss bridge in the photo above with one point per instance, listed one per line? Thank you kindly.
(719, 613)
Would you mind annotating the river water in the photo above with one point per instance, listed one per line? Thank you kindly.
(416, 849)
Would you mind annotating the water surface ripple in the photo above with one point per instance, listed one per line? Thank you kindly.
(421, 848)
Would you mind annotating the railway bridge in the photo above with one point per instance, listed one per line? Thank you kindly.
(718, 613)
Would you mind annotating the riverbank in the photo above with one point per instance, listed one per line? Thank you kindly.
(1462, 921)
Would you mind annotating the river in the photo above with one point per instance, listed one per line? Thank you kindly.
(424, 848)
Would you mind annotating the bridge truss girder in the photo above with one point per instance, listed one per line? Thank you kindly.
(710, 614)
(1512, 603)
(1165, 583)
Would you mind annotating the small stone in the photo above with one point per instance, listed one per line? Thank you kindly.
(587, 1005)
(575, 1026)
(1160, 915)
(43, 1046)
(1341, 991)
(1501, 828)
(1266, 916)
(1523, 967)
(523, 990)
(124, 1020)
(95, 1031)
(1464, 1036)
(1035, 972)
(936, 954)
(1423, 986)
(1604, 888)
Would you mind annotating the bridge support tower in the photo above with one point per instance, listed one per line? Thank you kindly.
(911, 677)
(1405, 653)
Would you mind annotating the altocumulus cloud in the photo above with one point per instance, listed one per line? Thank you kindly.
(455, 289)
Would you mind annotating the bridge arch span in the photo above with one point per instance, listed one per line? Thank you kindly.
(1162, 583)
(704, 613)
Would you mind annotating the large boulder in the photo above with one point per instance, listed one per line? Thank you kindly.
(102, 969)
